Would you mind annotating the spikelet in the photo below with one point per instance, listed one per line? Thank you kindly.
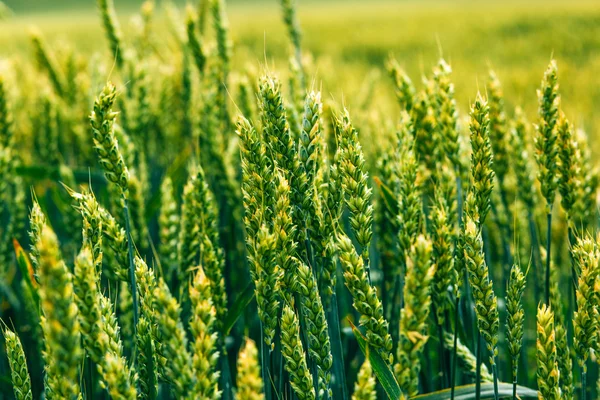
(249, 381)
(97, 219)
(409, 197)
(280, 145)
(284, 231)
(117, 241)
(59, 322)
(498, 127)
(403, 86)
(168, 222)
(364, 388)
(256, 178)
(586, 255)
(85, 285)
(447, 113)
(329, 206)
(443, 236)
(18, 366)
(317, 333)
(267, 276)
(546, 139)
(102, 121)
(354, 182)
(309, 147)
(99, 329)
(146, 361)
(515, 316)
(189, 234)
(112, 31)
(569, 184)
(364, 298)
(521, 157)
(486, 303)
(163, 311)
(212, 259)
(202, 324)
(428, 141)
(547, 369)
(293, 354)
(37, 220)
(482, 174)
(413, 321)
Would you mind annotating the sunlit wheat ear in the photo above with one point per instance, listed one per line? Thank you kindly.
(202, 325)
(102, 121)
(482, 174)
(414, 314)
(585, 321)
(569, 158)
(364, 298)
(443, 237)
(486, 302)
(364, 388)
(447, 112)
(521, 156)
(146, 361)
(164, 313)
(403, 86)
(37, 221)
(100, 330)
(498, 127)
(546, 140)
(62, 351)
(267, 276)
(547, 369)
(317, 330)
(355, 177)
(294, 356)
(249, 381)
(18, 366)
(168, 222)
(515, 316)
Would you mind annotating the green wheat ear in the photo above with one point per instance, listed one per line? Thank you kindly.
(364, 388)
(486, 302)
(414, 314)
(110, 157)
(546, 139)
(18, 366)
(249, 381)
(547, 368)
(61, 329)
(295, 358)
(515, 316)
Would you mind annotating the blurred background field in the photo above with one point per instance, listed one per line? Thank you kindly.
(350, 40)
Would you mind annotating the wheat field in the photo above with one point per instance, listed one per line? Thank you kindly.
(290, 200)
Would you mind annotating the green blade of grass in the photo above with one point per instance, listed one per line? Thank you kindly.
(381, 368)
(241, 302)
(468, 392)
